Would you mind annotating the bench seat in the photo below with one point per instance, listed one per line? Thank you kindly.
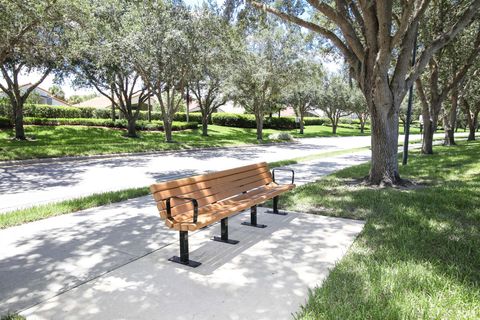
(212, 213)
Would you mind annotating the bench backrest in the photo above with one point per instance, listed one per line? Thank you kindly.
(209, 188)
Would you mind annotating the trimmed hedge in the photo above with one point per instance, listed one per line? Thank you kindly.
(314, 121)
(248, 121)
(222, 119)
(234, 120)
(140, 125)
(5, 123)
(56, 112)
(47, 111)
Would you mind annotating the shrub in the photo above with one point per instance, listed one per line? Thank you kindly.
(248, 121)
(47, 111)
(281, 136)
(234, 120)
(280, 123)
(192, 117)
(5, 123)
(140, 125)
(314, 121)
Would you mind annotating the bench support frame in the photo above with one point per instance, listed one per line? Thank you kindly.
(253, 219)
(275, 208)
(224, 233)
(184, 254)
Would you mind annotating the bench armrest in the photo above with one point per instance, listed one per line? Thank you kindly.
(283, 169)
(194, 202)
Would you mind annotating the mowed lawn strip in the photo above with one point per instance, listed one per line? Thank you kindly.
(418, 256)
(21, 216)
(58, 141)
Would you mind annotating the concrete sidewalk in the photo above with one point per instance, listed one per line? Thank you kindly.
(266, 276)
(42, 259)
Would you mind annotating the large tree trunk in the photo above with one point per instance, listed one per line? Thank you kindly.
(362, 123)
(259, 121)
(472, 119)
(131, 127)
(167, 127)
(113, 112)
(18, 114)
(472, 125)
(450, 121)
(384, 127)
(301, 123)
(334, 128)
(430, 124)
(428, 131)
(205, 125)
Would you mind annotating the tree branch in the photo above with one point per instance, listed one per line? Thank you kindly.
(36, 84)
(442, 40)
(311, 26)
(343, 23)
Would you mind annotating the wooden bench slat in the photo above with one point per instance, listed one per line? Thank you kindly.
(202, 210)
(184, 222)
(253, 195)
(234, 187)
(228, 192)
(201, 178)
(209, 187)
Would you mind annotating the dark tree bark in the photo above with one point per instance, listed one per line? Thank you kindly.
(472, 118)
(450, 121)
(131, 128)
(259, 121)
(167, 126)
(362, 117)
(302, 126)
(384, 169)
(205, 125)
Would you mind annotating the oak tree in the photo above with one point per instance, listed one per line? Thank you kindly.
(376, 39)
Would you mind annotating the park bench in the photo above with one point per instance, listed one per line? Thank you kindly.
(189, 204)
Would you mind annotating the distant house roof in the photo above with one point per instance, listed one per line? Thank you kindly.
(104, 102)
(46, 92)
(97, 102)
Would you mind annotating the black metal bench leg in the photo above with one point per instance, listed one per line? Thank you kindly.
(184, 255)
(275, 208)
(253, 219)
(224, 233)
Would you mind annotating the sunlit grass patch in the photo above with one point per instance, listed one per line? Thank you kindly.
(39, 212)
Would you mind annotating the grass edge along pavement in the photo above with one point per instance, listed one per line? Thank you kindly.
(419, 252)
(35, 213)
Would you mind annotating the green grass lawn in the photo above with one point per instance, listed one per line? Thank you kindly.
(43, 211)
(57, 141)
(418, 256)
